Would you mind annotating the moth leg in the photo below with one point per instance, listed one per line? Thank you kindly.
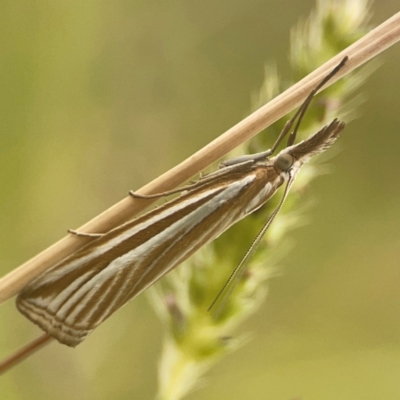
(303, 108)
(295, 120)
(92, 235)
(246, 159)
(145, 196)
(164, 194)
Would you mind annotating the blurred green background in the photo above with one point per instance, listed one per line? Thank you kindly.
(100, 97)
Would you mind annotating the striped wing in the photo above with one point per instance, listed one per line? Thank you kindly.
(79, 293)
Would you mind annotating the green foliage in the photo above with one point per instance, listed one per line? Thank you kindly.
(195, 338)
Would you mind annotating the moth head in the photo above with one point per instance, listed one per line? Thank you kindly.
(284, 161)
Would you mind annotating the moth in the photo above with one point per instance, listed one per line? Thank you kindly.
(75, 296)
